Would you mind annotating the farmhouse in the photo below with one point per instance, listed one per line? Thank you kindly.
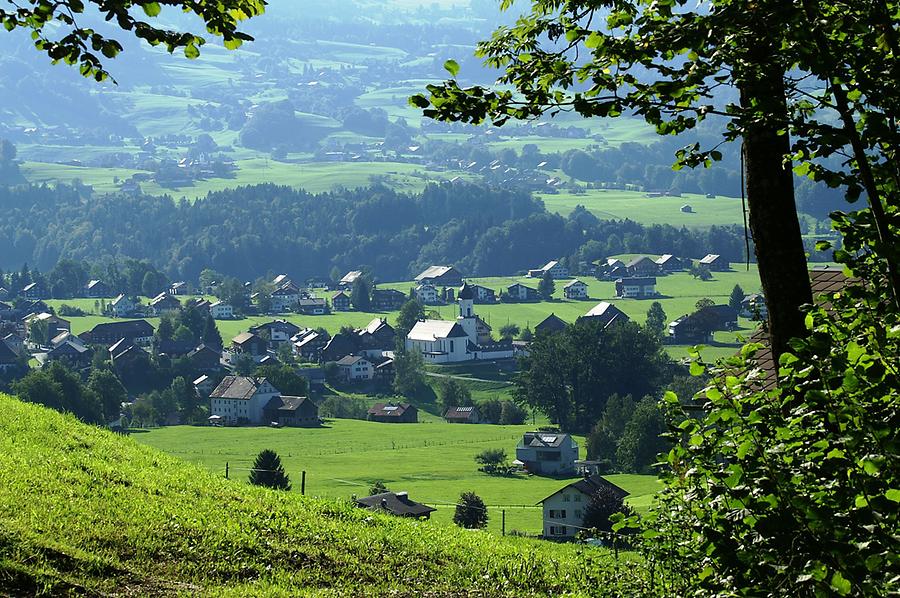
(462, 415)
(313, 306)
(74, 354)
(554, 268)
(642, 266)
(687, 209)
(546, 453)
(338, 346)
(550, 324)
(204, 358)
(715, 263)
(427, 294)
(607, 313)
(122, 306)
(33, 291)
(354, 368)
(340, 301)
(377, 337)
(388, 299)
(281, 280)
(396, 504)
(14, 342)
(221, 310)
(441, 276)
(393, 413)
(349, 278)
(8, 358)
(277, 331)
(483, 294)
(128, 358)
(298, 412)
(699, 326)
(564, 509)
(164, 303)
(309, 344)
(669, 263)
(284, 298)
(519, 292)
(96, 289)
(249, 343)
(241, 399)
(55, 324)
(636, 288)
(754, 307)
(137, 332)
(203, 386)
(576, 290)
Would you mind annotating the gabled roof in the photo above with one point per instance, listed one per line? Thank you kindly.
(546, 439)
(350, 277)
(389, 409)
(640, 260)
(588, 486)
(123, 329)
(432, 330)
(519, 284)
(286, 290)
(573, 283)
(120, 299)
(607, 312)
(7, 355)
(376, 325)
(396, 504)
(461, 412)
(434, 272)
(94, 283)
(287, 404)
(340, 294)
(245, 337)
(639, 280)
(237, 387)
(349, 360)
(165, 299)
(550, 265)
(551, 323)
(710, 258)
(665, 258)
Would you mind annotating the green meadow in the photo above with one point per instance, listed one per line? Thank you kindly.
(433, 461)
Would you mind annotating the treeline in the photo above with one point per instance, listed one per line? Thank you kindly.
(248, 231)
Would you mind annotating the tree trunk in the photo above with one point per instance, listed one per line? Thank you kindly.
(773, 213)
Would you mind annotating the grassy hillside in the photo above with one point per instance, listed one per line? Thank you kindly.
(86, 512)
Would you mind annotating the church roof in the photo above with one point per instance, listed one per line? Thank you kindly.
(432, 330)
(466, 292)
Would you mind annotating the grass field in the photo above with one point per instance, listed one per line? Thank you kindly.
(434, 462)
(616, 205)
(87, 512)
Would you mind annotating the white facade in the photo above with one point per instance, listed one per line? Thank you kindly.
(576, 290)
(121, 306)
(632, 290)
(360, 369)
(249, 409)
(427, 294)
(439, 341)
(284, 301)
(221, 311)
(564, 513)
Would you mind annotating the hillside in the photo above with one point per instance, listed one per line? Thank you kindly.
(86, 512)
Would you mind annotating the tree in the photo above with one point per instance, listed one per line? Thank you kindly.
(243, 364)
(452, 393)
(511, 414)
(409, 372)
(268, 472)
(361, 294)
(211, 336)
(377, 487)
(490, 410)
(641, 439)
(109, 390)
(509, 331)
(492, 461)
(57, 387)
(602, 505)
(527, 335)
(656, 319)
(736, 299)
(285, 378)
(411, 312)
(703, 303)
(57, 32)
(471, 513)
(700, 271)
(547, 286)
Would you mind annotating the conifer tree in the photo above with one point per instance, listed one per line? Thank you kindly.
(268, 471)
(470, 512)
(547, 287)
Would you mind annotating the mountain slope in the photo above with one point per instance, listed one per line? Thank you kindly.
(86, 512)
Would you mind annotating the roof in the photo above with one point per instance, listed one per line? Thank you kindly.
(389, 409)
(434, 272)
(432, 330)
(282, 403)
(133, 328)
(550, 265)
(375, 325)
(666, 257)
(350, 277)
(120, 299)
(244, 337)
(551, 323)
(572, 283)
(519, 284)
(546, 439)
(607, 311)
(466, 292)
(829, 280)
(163, 298)
(340, 294)
(465, 412)
(201, 379)
(645, 280)
(94, 283)
(639, 260)
(7, 355)
(350, 360)
(589, 486)
(396, 504)
(709, 258)
(237, 387)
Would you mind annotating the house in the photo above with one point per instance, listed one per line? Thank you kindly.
(349, 278)
(63, 337)
(687, 209)
(55, 324)
(200, 304)
(547, 453)
(393, 413)
(483, 294)
(122, 306)
(313, 306)
(178, 288)
(164, 303)
(398, 504)
(441, 276)
(355, 368)
(564, 509)
(284, 298)
(607, 313)
(575, 290)
(462, 415)
(519, 292)
(128, 358)
(550, 325)
(309, 344)
(636, 288)
(754, 307)
(554, 268)
(4, 293)
(668, 263)
(135, 332)
(338, 346)
(33, 291)
(14, 342)
(642, 266)
(340, 301)
(240, 399)
(427, 294)
(699, 326)
(249, 343)
(385, 371)
(175, 349)
(203, 386)
(377, 336)
(314, 376)
(388, 299)
(715, 263)
(221, 310)
(281, 280)
(439, 341)
(74, 354)
(204, 358)
(277, 332)
(9, 360)
(97, 289)
(299, 412)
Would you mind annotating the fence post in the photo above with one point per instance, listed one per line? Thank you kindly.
(616, 545)
(503, 524)
(226, 470)
(303, 483)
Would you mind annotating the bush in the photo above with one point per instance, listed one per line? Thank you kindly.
(343, 407)
(512, 415)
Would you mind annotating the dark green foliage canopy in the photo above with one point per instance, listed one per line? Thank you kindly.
(268, 471)
(602, 505)
(471, 512)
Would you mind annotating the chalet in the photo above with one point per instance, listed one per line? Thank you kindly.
(547, 453)
(340, 301)
(699, 326)
(204, 358)
(378, 336)
(299, 412)
(97, 289)
(354, 368)
(393, 413)
(554, 268)
(519, 292)
(349, 278)
(687, 209)
(398, 504)
(636, 288)
(122, 306)
(314, 376)
(462, 415)
(441, 276)
(427, 294)
(385, 371)
(164, 303)
(55, 324)
(199, 304)
(14, 342)
(33, 291)
(564, 509)
(249, 343)
(313, 306)
(483, 294)
(550, 325)
(135, 332)
(388, 299)
(128, 357)
(607, 313)
(309, 344)
(715, 263)
(281, 280)
(642, 266)
(754, 307)
(73, 354)
(277, 331)
(9, 360)
(284, 298)
(175, 349)
(221, 310)
(239, 399)
(340, 345)
(64, 337)
(575, 290)
(669, 263)
(178, 288)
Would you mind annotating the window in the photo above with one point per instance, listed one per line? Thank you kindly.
(566, 498)
(548, 456)
(557, 513)
(451, 346)
(578, 497)
(558, 530)
(578, 513)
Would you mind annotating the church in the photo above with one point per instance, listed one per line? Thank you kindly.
(466, 339)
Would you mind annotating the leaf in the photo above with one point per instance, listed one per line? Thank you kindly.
(191, 51)
(452, 67)
(697, 368)
(893, 495)
(151, 9)
(840, 585)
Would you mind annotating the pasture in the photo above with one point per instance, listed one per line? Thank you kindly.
(434, 462)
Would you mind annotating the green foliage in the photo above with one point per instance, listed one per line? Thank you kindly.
(409, 372)
(642, 438)
(657, 320)
(602, 508)
(343, 407)
(736, 297)
(268, 472)
(57, 387)
(452, 393)
(109, 391)
(700, 271)
(471, 512)
(511, 414)
(285, 378)
(546, 287)
(493, 462)
(377, 487)
(509, 331)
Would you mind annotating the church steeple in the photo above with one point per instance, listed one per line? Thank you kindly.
(466, 300)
